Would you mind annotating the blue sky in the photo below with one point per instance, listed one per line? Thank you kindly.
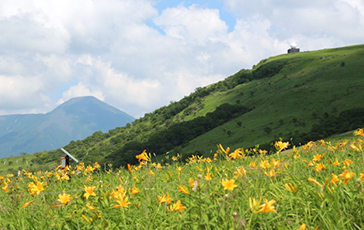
(139, 55)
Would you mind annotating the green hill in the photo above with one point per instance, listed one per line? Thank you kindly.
(298, 97)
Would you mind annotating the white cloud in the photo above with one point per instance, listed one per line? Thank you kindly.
(138, 58)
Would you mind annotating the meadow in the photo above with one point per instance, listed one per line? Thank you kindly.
(316, 186)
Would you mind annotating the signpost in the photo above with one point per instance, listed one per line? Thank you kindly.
(65, 160)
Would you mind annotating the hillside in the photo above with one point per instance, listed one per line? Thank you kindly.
(73, 120)
(298, 97)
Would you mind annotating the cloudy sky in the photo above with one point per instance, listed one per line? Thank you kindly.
(139, 55)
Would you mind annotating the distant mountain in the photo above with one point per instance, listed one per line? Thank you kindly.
(75, 119)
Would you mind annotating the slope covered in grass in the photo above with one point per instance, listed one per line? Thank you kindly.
(286, 96)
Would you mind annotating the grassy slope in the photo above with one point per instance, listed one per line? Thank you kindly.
(310, 82)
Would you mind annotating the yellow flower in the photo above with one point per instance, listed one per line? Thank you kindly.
(270, 173)
(267, 206)
(317, 157)
(314, 181)
(134, 190)
(336, 163)
(27, 203)
(275, 163)
(361, 178)
(183, 189)
(178, 206)
(253, 164)
(359, 132)
(130, 168)
(264, 164)
(347, 175)
(89, 191)
(164, 199)
(254, 204)
(96, 165)
(347, 162)
(228, 184)
(240, 172)
(151, 172)
(143, 156)
(322, 142)
(319, 167)
(334, 179)
(208, 176)
(89, 169)
(179, 169)
(35, 188)
(302, 227)
(122, 202)
(5, 187)
(237, 154)
(281, 145)
(64, 198)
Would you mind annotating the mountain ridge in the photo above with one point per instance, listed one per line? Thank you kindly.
(73, 120)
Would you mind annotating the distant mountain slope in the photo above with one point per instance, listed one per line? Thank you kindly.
(75, 119)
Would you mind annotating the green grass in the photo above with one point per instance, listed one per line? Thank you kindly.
(209, 206)
(306, 85)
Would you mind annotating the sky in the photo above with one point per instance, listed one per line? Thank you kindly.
(140, 55)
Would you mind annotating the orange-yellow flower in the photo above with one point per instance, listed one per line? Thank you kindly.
(96, 165)
(264, 164)
(208, 176)
(359, 132)
(267, 206)
(270, 173)
(237, 154)
(143, 156)
(122, 202)
(164, 199)
(5, 187)
(281, 145)
(134, 190)
(89, 169)
(240, 172)
(228, 184)
(36, 188)
(319, 167)
(89, 191)
(183, 189)
(336, 163)
(130, 168)
(64, 198)
(347, 162)
(253, 164)
(347, 175)
(27, 203)
(314, 181)
(178, 206)
(334, 179)
(302, 227)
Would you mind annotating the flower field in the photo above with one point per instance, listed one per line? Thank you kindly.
(316, 186)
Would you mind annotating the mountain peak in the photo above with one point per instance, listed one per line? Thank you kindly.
(75, 119)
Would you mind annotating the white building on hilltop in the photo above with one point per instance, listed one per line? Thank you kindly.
(293, 48)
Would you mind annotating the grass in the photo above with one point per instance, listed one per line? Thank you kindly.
(309, 83)
(286, 190)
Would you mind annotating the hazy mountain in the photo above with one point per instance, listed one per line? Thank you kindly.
(75, 119)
